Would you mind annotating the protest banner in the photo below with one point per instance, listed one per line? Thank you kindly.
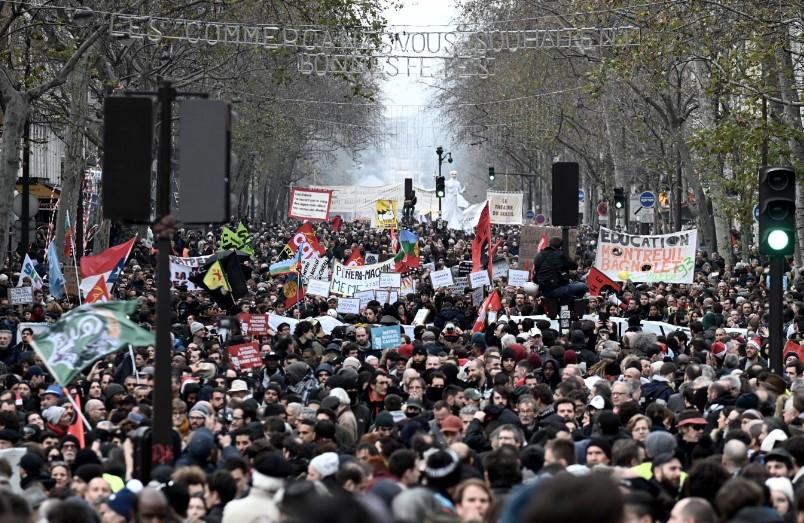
(668, 258)
(318, 288)
(348, 280)
(20, 295)
(478, 296)
(182, 268)
(386, 337)
(517, 278)
(505, 208)
(71, 280)
(254, 324)
(365, 297)
(459, 285)
(442, 278)
(245, 356)
(421, 316)
(327, 322)
(384, 214)
(315, 269)
(309, 204)
(499, 268)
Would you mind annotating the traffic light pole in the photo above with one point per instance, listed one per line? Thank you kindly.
(775, 306)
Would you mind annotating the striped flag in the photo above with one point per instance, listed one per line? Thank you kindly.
(68, 236)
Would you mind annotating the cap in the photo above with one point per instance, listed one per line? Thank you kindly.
(472, 394)
(452, 424)
(384, 419)
(414, 403)
(53, 389)
(690, 417)
(597, 402)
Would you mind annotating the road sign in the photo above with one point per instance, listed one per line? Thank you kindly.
(756, 212)
(602, 209)
(580, 195)
(530, 214)
(540, 219)
(647, 199)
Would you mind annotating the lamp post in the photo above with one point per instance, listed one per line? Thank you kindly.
(440, 179)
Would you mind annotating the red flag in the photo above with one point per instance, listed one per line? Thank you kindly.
(491, 303)
(68, 236)
(76, 428)
(482, 240)
(597, 280)
(107, 261)
(305, 235)
(98, 293)
(355, 259)
(337, 222)
(542, 243)
(293, 290)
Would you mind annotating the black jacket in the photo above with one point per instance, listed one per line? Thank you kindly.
(550, 267)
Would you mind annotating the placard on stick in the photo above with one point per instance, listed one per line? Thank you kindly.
(20, 295)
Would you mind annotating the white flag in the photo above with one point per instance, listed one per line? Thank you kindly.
(29, 270)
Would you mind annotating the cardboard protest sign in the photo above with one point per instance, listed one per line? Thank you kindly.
(387, 337)
(254, 324)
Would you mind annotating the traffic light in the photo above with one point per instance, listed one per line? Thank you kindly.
(777, 210)
(491, 174)
(441, 190)
(619, 198)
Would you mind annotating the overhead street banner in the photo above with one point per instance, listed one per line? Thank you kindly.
(505, 208)
(668, 258)
(309, 204)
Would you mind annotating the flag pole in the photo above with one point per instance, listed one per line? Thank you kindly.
(75, 263)
(63, 387)
(78, 410)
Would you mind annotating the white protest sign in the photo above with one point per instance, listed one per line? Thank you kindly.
(421, 317)
(20, 295)
(390, 280)
(442, 278)
(182, 268)
(477, 296)
(318, 288)
(275, 320)
(479, 279)
(517, 278)
(668, 258)
(365, 297)
(499, 268)
(309, 204)
(505, 207)
(348, 305)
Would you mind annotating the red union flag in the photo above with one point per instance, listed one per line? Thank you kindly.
(306, 239)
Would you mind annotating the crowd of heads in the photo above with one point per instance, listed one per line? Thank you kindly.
(515, 418)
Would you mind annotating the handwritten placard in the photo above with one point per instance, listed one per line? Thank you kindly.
(318, 287)
(390, 280)
(442, 278)
(348, 305)
(479, 279)
(20, 295)
(517, 278)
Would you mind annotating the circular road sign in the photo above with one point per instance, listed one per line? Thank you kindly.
(756, 212)
(647, 199)
(580, 195)
(540, 219)
(530, 214)
(602, 209)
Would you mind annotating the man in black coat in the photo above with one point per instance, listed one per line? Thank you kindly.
(550, 268)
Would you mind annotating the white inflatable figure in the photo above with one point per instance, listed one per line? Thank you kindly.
(454, 203)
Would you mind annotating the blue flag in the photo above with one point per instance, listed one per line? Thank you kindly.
(55, 278)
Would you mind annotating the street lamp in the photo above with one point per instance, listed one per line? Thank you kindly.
(440, 182)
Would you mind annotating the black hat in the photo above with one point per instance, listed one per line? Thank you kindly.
(273, 464)
(780, 454)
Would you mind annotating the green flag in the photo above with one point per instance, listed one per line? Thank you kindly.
(239, 239)
(87, 334)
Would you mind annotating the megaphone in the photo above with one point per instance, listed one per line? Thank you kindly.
(530, 288)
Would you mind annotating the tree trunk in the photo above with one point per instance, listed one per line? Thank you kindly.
(792, 116)
(16, 113)
(74, 154)
(706, 221)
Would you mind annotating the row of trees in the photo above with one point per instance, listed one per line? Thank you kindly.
(60, 62)
(711, 92)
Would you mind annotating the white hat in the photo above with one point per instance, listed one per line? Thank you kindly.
(332, 312)
(238, 386)
(597, 402)
(326, 464)
(535, 332)
(195, 327)
(783, 485)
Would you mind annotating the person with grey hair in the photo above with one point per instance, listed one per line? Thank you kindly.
(693, 510)
(735, 456)
(507, 434)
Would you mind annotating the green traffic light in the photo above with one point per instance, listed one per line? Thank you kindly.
(619, 205)
(778, 240)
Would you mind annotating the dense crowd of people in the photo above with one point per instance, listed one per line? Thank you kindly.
(518, 420)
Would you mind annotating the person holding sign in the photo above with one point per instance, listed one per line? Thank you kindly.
(551, 268)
